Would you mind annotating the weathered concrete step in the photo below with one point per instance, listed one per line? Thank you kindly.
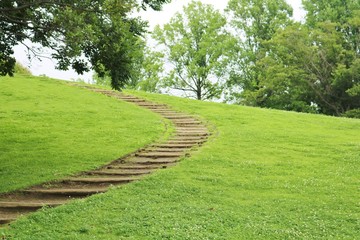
(183, 124)
(152, 161)
(159, 154)
(6, 220)
(29, 205)
(137, 101)
(165, 149)
(192, 128)
(192, 120)
(120, 172)
(186, 146)
(198, 127)
(127, 96)
(147, 104)
(140, 166)
(132, 167)
(67, 191)
(188, 138)
(165, 111)
(193, 142)
(191, 133)
(102, 180)
(130, 98)
(177, 117)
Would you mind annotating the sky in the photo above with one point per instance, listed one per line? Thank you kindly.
(47, 66)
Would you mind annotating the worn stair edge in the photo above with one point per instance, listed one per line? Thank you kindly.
(102, 180)
(120, 172)
(69, 191)
(4, 221)
(30, 205)
(142, 166)
(162, 161)
(159, 154)
(159, 149)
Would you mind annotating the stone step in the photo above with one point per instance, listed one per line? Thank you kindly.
(67, 191)
(132, 167)
(29, 204)
(141, 166)
(193, 142)
(120, 172)
(183, 124)
(191, 133)
(7, 220)
(165, 111)
(134, 100)
(147, 104)
(176, 117)
(159, 154)
(188, 138)
(191, 120)
(102, 180)
(162, 149)
(192, 128)
(152, 161)
(173, 146)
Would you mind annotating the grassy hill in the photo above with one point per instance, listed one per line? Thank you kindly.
(265, 174)
(49, 130)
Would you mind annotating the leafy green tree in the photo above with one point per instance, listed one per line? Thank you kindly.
(312, 67)
(151, 72)
(99, 31)
(336, 11)
(255, 21)
(195, 44)
(345, 13)
(309, 70)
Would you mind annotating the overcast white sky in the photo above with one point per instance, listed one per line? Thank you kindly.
(47, 66)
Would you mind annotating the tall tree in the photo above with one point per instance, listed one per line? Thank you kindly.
(344, 13)
(256, 21)
(151, 71)
(309, 70)
(102, 31)
(196, 45)
(336, 11)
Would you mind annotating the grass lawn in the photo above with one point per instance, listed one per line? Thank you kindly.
(265, 174)
(49, 130)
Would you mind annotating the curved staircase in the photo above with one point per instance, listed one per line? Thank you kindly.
(189, 133)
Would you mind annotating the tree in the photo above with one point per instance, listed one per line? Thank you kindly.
(196, 45)
(336, 11)
(101, 31)
(345, 13)
(150, 79)
(309, 70)
(312, 67)
(255, 21)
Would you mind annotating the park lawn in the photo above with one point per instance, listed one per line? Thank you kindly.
(265, 174)
(49, 130)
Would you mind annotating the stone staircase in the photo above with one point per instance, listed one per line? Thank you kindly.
(189, 133)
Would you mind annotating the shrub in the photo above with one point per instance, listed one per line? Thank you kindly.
(354, 113)
(21, 69)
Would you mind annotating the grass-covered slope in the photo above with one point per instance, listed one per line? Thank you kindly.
(264, 175)
(49, 129)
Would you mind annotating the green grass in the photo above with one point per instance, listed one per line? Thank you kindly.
(265, 174)
(49, 130)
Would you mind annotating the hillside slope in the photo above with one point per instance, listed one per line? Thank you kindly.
(264, 175)
(49, 130)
